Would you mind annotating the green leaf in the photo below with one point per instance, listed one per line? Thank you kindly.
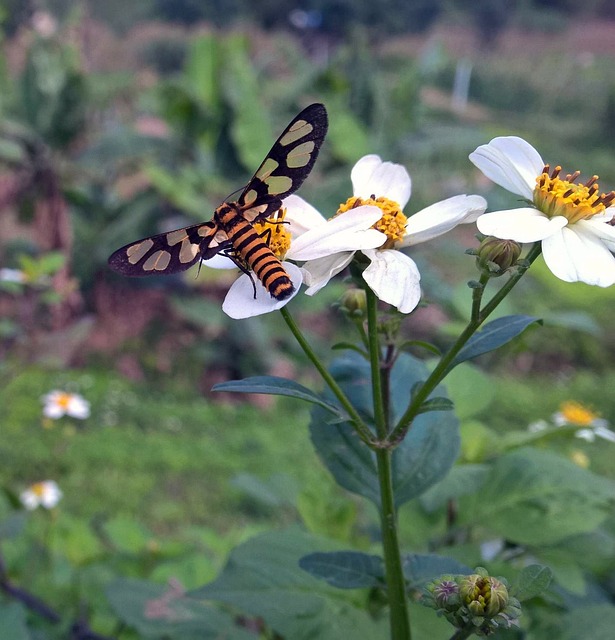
(421, 568)
(493, 335)
(536, 497)
(422, 459)
(437, 404)
(462, 480)
(345, 569)
(531, 582)
(159, 611)
(588, 623)
(263, 578)
(565, 569)
(273, 385)
(278, 490)
(13, 621)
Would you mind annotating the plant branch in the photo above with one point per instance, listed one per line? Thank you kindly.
(361, 428)
(445, 364)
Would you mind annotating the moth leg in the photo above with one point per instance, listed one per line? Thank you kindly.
(239, 263)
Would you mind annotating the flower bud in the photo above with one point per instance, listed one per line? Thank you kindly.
(495, 256)
(354, 303)
(479, 601)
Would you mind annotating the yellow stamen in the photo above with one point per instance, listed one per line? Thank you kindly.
(38, 489)
(556, 196)
(576, 413)
(392, 223)
(275, 233)
(63, 400)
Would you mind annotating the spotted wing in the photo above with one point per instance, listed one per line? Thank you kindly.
(169, 252)
(287, 165)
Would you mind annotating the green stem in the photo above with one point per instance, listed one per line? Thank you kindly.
(462, 634)
(444, 366)
(380, 417)
(396, 586)
(362, 429)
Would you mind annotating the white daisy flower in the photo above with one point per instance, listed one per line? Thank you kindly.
(12, 275)
(568, 218)
(383, 189)
(61, 403)
(590, 424)
(45, 494)
(247, 297)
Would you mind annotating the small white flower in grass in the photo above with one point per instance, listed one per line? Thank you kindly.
(57, 404)
(45, 494)
(282, 232)
(590, 424)
(381, 190)
(12, 275)
(570, 219)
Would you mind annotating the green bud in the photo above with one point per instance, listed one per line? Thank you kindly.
(354, 303)
(496, 256)
(479, 601)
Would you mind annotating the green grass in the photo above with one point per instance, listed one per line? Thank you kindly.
(168, 462)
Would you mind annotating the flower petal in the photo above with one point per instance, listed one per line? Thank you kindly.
(597, 226)
(241, 303)
(370, 176)
(510, 162)
(301, 215)
(349, 231)
(219, 262)
(317, 273)
(441, 217)
(577, 254)
(394, 278)
(523, 225)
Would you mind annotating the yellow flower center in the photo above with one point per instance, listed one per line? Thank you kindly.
(556, 196)
(576, 413)
(275, 233)
(392, 223)
(63, 400)
(38, 489)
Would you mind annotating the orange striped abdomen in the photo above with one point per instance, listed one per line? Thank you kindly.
(255, 253)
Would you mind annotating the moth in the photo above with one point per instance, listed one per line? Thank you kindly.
(231, 231)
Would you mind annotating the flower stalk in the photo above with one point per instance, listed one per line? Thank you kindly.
(444, 366)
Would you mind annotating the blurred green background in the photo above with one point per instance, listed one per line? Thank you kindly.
(123, 119)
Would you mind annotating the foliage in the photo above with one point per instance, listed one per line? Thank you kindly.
(169, 539)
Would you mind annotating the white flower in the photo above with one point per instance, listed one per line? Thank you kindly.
(590, 424)
(247, 297)
(62, 403)
(570, 219)
(45, 494)
(12, 275)
(383, 189)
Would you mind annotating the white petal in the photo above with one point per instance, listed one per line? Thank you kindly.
(29, 500)
(510, 162)
(301, 215)
(576, 254)
(78, 408)
(219, 262)
(241, 303)
(523, 225)
(349, 231)
(394, 278)
(317, 273)
(370, 176)
(441, 217)
(54, 411)
(600, 229)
